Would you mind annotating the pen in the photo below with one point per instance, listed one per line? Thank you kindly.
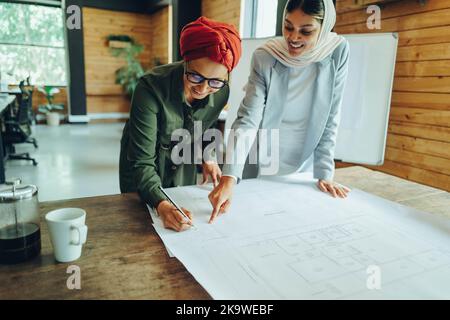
(176, 206)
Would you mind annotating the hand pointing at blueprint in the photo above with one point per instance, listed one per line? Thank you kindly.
(220, 197)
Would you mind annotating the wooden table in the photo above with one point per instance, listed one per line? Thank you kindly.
(125, 259)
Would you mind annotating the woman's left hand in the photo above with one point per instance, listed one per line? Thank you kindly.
(211, 169)
(335, 189)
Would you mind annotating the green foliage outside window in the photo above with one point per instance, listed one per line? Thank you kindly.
(32, 43)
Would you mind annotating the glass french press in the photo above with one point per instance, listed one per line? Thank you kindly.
(20, 235)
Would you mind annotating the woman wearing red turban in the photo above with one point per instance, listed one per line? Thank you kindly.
(172, 97)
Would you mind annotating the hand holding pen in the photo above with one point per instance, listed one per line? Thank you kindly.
(173, 216)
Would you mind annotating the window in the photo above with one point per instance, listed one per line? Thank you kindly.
(260, 18)
(32, 44)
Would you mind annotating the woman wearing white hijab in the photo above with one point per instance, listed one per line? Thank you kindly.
(296, 85)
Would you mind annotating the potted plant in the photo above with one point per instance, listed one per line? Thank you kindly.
(129, 49)
(49, 108)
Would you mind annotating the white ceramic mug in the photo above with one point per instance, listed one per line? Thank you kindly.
(68, 232)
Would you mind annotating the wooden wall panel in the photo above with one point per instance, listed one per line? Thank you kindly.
(228, 11)
(103, 103)
(100, 65)
(103, 95)
(439, 68)
(404, 22)
(436, 51)
(418, 143)
(161, 36)
(421, 116)
(392, 10)
(422, 84)
(424, 176)
(438, 101)
(424, 36)
(430, 132)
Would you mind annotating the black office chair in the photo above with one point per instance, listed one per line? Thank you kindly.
(18, 129)
(31, 113)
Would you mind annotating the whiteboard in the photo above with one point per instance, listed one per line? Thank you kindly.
(367, 96)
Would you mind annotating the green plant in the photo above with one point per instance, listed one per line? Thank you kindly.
(128, 75)
(49, 92)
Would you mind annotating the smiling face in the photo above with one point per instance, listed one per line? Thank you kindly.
(301, 32)
(207, 69)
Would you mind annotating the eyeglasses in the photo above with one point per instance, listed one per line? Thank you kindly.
(198, 78)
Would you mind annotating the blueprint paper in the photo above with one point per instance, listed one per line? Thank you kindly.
(158, 225)
(284, 239)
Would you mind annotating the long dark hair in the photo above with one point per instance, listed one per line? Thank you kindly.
(314, 8)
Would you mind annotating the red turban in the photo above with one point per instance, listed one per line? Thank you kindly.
(217, 41)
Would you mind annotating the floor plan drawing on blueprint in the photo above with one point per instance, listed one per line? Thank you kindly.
(283, 239)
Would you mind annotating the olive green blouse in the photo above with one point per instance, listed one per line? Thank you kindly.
(158, 108)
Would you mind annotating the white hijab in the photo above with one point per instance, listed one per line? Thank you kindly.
(326, 43)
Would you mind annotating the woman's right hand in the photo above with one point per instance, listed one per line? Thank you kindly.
(172, 218)
(220, 197)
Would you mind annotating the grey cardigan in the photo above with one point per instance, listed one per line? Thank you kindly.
(265, 98)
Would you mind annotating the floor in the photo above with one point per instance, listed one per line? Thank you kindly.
(74, 160)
